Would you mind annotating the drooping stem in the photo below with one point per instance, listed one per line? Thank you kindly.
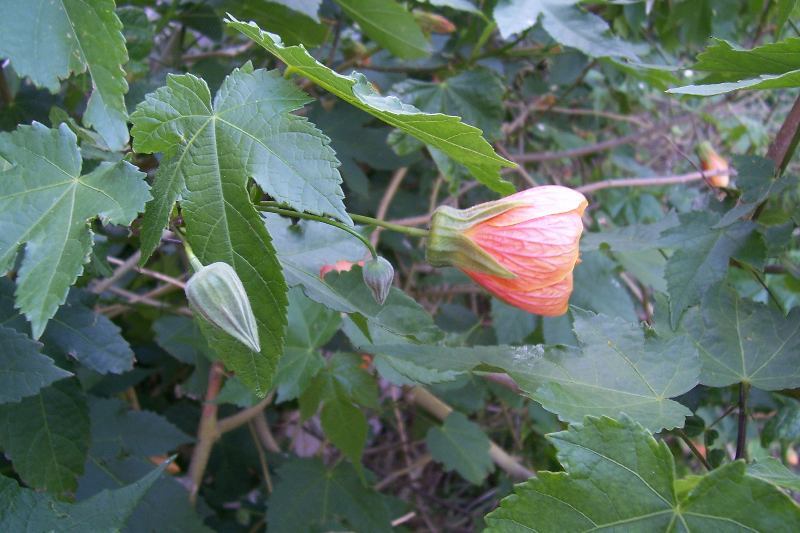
(399, 228)
(270, 207)
(193, 260)
(741, 437)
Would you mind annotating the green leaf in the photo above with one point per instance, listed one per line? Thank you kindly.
(180, 337)
(775, 472)
(311, 325)
(45, 204)
(357, 141)
(511, 324)
(26, 510)
(770, 66)
(24, 370)
(462, 446)
(118, 431)
(296, 20)
(247, 132)
(46, 436)
(164, 507)
(460, 5)
(77, 331)
(701, 257)
(212, 150)
(565, 22)
(304, 248)
(345, 425)
(326, 494)
(307, 7)
(474, 95)
(48, 40)
(741, 341)
(437, 130)
(619, 478)
(390, 25)
(617, 368)
(632, 238)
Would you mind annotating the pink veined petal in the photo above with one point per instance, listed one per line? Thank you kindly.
(540, 202)
(552, 300)
(540, 252)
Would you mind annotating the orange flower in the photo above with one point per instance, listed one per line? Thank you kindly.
(521, 248)
(712, 162)
(338, 266)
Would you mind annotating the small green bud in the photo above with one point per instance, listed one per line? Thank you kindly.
(378, 275)
(216, 293)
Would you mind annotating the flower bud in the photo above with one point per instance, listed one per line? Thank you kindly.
(378, 275)
(711, 161)
(521, 248)
(216, 293)
(433, 23)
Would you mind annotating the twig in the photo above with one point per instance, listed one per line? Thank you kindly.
(150, 273)
(519, 168)
(206, 431)
(388, 196)
(117, 309)
(265, 434)
(241, 418)
(656, 181)
(418, 464)
(262, 458)
(785, 142)
(441, 410)
(700, 457)
(741, 434)
(134, 298)
(101, 286)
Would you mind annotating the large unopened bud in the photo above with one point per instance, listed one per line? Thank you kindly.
(713, 163)
(378, 274)
(521, 248)
(216, 293)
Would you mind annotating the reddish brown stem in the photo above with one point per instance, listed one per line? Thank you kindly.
(207, 432)
(782, 148)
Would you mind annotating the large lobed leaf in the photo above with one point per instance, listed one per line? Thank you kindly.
(308, 496)
(565, 22)
(212, 150)
(461, 142)
(741, 341)
(45, 204)
(616, 368)
(46, 436)
(24, 370)
(47, 40)
(23, 509)
(770, 66)
(619, 478)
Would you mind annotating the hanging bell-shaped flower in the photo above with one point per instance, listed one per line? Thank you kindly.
(378, 274)
(216, 293)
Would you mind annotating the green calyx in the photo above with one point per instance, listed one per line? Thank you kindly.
(449, 246)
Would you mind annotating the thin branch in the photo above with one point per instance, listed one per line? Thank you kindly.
(206, 431)
(101, 286)
(150, 273)
(700, 457)
(656, 181)
(741, 434)
(441, 410)
(241, 418)
(134, 298)
(386, 200)
(785, 142)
